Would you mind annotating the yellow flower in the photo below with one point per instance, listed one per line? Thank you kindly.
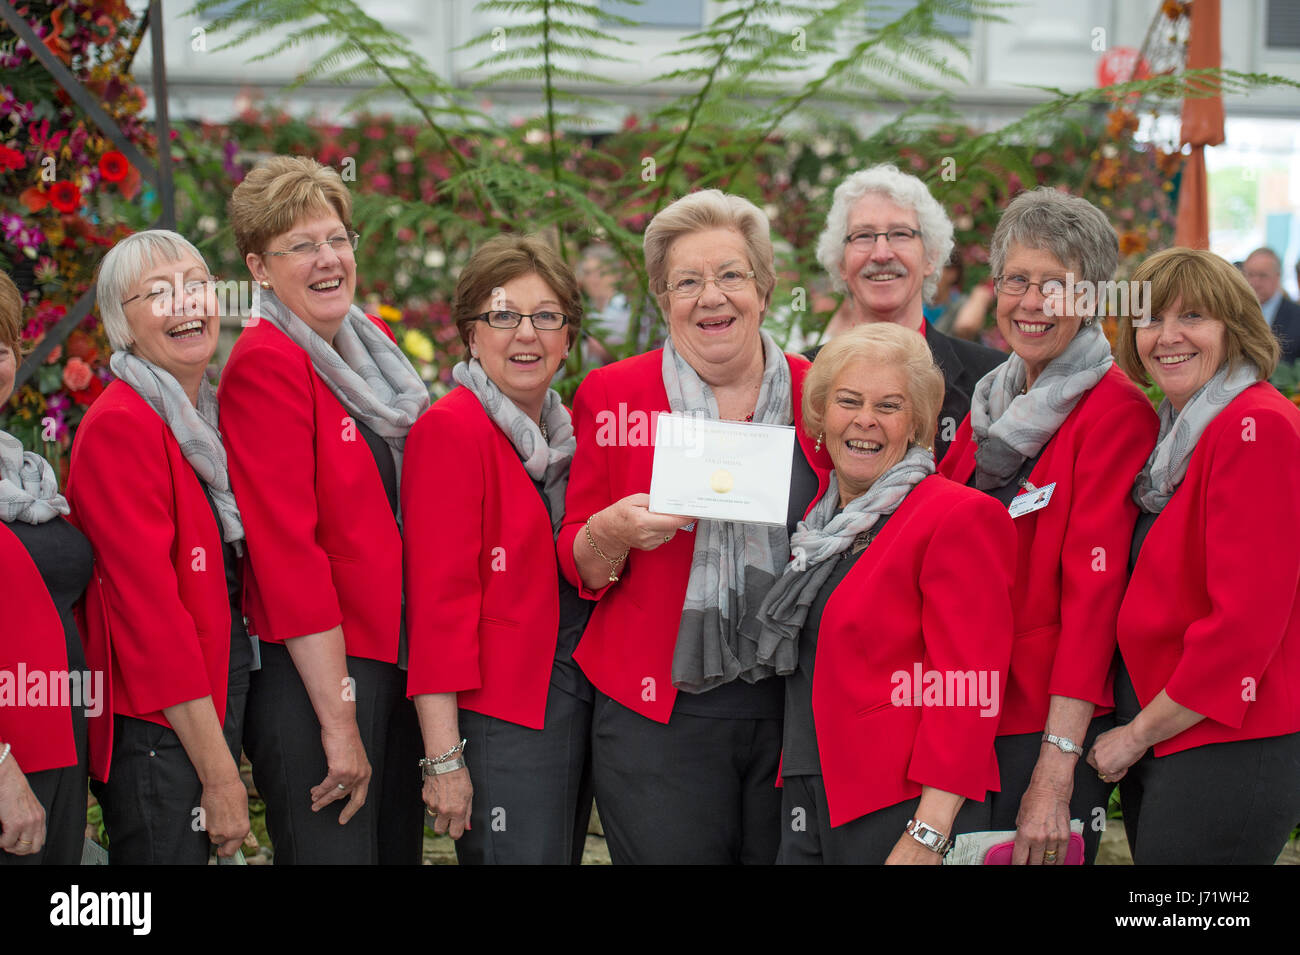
(417, 345)
(389, 314)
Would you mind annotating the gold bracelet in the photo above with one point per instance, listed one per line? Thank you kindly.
(613, 564)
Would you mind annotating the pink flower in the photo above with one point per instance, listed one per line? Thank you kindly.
(77, 375)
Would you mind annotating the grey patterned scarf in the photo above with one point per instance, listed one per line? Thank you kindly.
(544, 461)
(195, 430)
(733, 564)
(29, 488)
(1009, 428)
(367, 372)
(1179, 432)
(823, 536)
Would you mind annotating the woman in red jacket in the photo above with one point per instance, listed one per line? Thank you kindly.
(685, 776)
(900, 593)
(149, 487)
(316, 402)
(1207, 752)
(493, 625)
(45, 564)
(1054, 434)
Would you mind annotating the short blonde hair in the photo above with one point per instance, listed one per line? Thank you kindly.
(709, 209)
(279, 192)
(1197, 279)
(882, 343)
(11, 315)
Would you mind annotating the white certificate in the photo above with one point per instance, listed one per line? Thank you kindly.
(721, 470)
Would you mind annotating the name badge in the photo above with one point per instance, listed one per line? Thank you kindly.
(1035, 499)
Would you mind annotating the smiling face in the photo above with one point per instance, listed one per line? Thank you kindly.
(171, 313)
(717, 329)
(868, 424)
(521, 361)
(1181, 349)
(318, 286)
(885, 281)
(1036, 328)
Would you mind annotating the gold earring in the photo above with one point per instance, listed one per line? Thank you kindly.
(265, 284)
(818, 446)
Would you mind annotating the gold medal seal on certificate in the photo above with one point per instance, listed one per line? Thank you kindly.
(721, 481)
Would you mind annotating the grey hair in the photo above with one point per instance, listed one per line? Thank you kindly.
(1266, 251)
(1068, 227)
(903, 190)
(602, 252)
(709, 209)
(122, 267)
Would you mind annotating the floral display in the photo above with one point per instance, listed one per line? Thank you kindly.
(68, 196)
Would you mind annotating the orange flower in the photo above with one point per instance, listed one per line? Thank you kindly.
(1119, 122)
(1131, 242)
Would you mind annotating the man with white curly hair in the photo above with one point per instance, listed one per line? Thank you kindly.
(884, 245)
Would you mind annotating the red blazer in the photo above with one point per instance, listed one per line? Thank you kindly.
(1211, 615)
(482, 605)
(322, 546)
(40, 736)
(936, 590)
(157, 611)
(1072, 555)
(627, 648)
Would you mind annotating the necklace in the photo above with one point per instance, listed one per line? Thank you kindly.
(546, 434)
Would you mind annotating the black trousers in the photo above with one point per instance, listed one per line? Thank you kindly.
(697, 790)
(532, 788)
(62, 794)
(283, 743)
(151, 799)
(1017, 756)
(807, 837)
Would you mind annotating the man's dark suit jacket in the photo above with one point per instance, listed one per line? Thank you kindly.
(963, 363)
(1286, 329)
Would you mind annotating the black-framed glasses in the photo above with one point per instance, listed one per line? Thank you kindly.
(692, 286)
(542, 321)
(866, 239)
(339, 243)
(192, 287)
(1018, 285)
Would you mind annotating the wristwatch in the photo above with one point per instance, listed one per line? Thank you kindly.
(1064, 745)
(932, 839)
(448, 762)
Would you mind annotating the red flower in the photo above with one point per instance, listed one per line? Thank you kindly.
(11, 159)
(88, 394)
(113, 166)
(65, 196)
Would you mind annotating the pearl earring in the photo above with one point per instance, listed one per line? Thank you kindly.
(817, 448)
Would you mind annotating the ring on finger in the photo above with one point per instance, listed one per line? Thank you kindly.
(667, 538)
(1049, 855)
(341, 788)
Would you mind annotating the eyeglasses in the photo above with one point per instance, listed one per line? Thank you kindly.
(339, 243)
(867, 239)
(1018, 285)
(162, 295)
(692, 286)
(542, 321)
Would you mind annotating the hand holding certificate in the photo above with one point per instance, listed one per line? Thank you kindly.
(721, 470)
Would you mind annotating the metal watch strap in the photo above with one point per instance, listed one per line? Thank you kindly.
(1065, 745)
(928, 836)
(429, 768)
